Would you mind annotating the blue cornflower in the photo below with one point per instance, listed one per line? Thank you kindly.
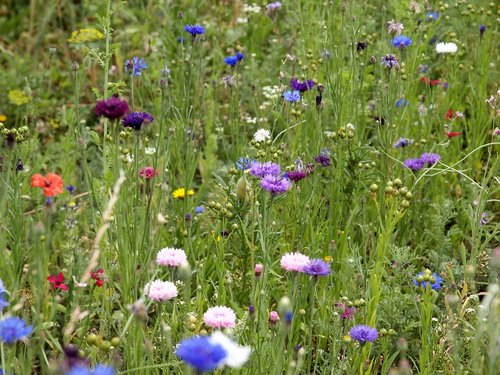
(292, 96)
(402, 142)
(3, 302)
(231, 60)
(414, 164)
(103, 370)
(401, 41)
(363, 334)
(70, 189)
(180, 39)
(482, 29)
(317, 267)
(79, 370)
(240, 56)
(288, 317)
(432, 16)
(135, 120)
(135, 66)
(12, 329)
(402, 103)
(423, 279)
(201, 353)
(195, 30)
(199, 210)
(243, 163)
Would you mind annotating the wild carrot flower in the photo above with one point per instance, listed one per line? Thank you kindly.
(112, 108)
(13, 329)
(171, 257)
(401, 41)
(161, 290)
(263, 169)
(292, 96)
(135, 66)
(294, 262)
(363, 333)
(135, 120)
(219, 317)
(422, 279)
(57, 281)
(181, 193)
(317, 267)
(52, 184)
(275, 184)
(148, 173)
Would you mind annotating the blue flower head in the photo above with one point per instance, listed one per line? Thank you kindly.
(243, 163)
(199, 210)
(201, 353)
(135, 66)
(13, 329)
(432, 16)
(195, 30)
(401, 41)
(79, 370)
(402, 103)
(292, 96)
(231, 60)
(421, 280)
(103, 370)
(3, 302)
(240, 56)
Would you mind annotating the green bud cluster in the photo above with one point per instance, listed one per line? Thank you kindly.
(20, 134)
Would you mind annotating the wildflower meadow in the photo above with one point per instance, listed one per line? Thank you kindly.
(230, 187)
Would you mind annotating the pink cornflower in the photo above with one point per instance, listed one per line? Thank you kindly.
(294, 262)
(162, 290)
(220, 317)
(171, 257)
(258, 269)
(148, 173)
(273, 317)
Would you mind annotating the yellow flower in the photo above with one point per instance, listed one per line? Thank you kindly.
(328, 259)
(181, 193)
(85, 35)
(18, 97)
(3, 118)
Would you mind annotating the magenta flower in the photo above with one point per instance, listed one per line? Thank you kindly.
(273, 317)
(294, 262)
(258, 269)
(171, 257)
(148, 173)
(112, 108)
(161, 290)
(220, 317)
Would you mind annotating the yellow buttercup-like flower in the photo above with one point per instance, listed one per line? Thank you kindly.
(328, 259)
(18, 97)
(3, 118)
(85, 35)
(181, 193)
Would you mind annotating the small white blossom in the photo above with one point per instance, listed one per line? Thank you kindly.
(149, 150)
(446, 48)
(262, 135)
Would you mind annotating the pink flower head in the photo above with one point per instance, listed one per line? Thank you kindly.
(258, 269)
(294, 262)
(171, 257)
(162, 290)
(148, 173)
(58, 281)
(220, 317)
(273, 317)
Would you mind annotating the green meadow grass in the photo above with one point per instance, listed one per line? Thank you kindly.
(376, 222)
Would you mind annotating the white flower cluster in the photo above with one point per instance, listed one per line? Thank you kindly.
(251, 8)
(262, 135)
(271, 92)
(446, 48)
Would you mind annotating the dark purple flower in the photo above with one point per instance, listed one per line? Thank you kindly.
(362, 333)
(295, 84)
(70, 189)
(240, 56)
(296, 175)
(482, 29)
(430, 158)
(275, 184)
(317, 267)
(360, 46)
(319, 99)
(263, 169)
(19, 166)
(135, 120)
(390, 61)
(112, 108)
(402, 142)
(484, 219)
(414, 164)
(323, 159)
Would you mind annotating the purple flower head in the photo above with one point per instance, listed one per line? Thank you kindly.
(348, 312)
(231, 60)
(482, 29)
(430, 158)
(201, 353)
(390, 61)
(362, 333)
(135, 120)
(70, 189)
(199, 210)
(296, 85)
(135, 66)
(19, 165)
(272, 9)
(402, 142)
(317, 267)
(112, 108)
(483, 221)
(296, 175)
(414, 164)
(263, 169)
(13, 329)
(240, 56)
(323, 159)
(436, 285)
(195, 30)
(292, 96)
(275, 184)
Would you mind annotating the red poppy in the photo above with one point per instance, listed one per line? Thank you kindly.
(449, 114)
(97, 277)
(452, 134)
(432, 82)
(52, 184)
(58, 281)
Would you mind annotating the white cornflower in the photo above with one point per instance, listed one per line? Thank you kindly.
(446, 48)
(262, 135)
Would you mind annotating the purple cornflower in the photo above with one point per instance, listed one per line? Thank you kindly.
(19, 165)
(195, 30)
(430, 158)
(292, 96)
(390, 61)
(13, 329)
(112, 108)
(272, 9)
(482, 29)
(296, 85)
(199, 210)
(414, 164)
(362, 333)
(135, 120)
(231, 60)
(401, 41)
(70, 189)
(323, 159)
(317, 267)
(420, 280)
(135, 66)
(275, 184)
(483, 221)
(402, 142)
(296, 175)
(265, 169)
